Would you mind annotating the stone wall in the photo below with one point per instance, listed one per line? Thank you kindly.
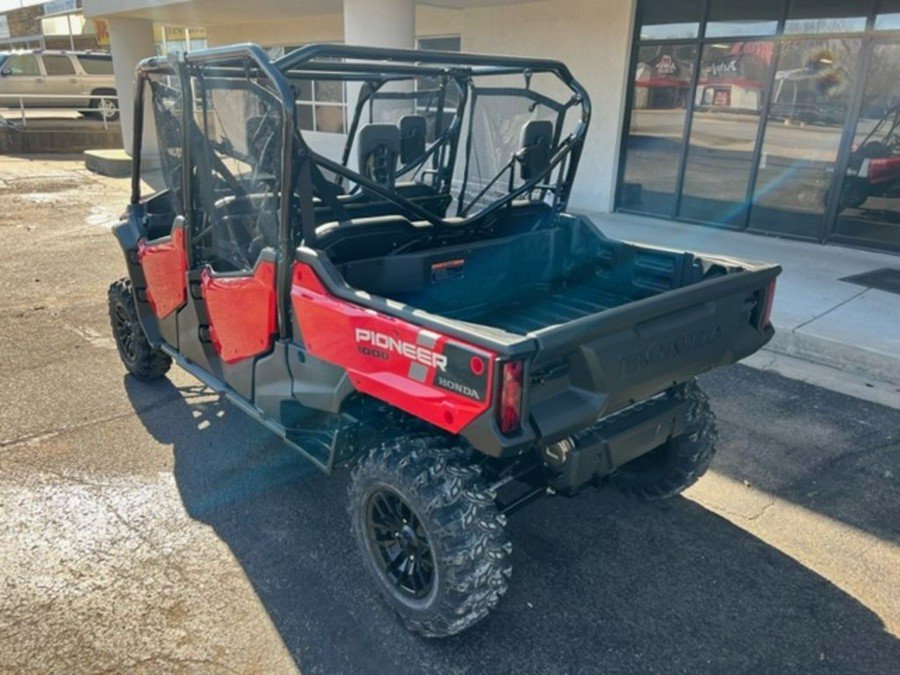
(25, 21)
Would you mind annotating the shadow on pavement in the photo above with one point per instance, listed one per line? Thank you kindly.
(601, 583)
(825, 451)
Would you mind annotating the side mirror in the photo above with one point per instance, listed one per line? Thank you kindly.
(6, 71)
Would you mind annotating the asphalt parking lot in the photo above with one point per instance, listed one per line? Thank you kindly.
(153, 528)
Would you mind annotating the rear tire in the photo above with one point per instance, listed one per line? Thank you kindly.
(429, 534)
(678, 463)
(142, 359)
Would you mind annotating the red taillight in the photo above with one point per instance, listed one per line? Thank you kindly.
(766, 313)
(509, 414)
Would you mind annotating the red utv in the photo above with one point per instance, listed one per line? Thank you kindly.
(419, 305)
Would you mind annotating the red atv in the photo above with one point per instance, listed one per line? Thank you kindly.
(419, 306)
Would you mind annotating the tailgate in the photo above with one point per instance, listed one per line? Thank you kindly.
(598, 364)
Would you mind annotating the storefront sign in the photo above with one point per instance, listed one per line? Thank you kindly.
(666, 65)
(724, 69)
(101, 32)
(57, 6)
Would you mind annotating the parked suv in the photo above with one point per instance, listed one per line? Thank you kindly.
(59, 79)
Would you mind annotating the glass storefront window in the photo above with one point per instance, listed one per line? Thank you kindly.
(662, 87)
(728, 104)
(888, 17)
(869, 198)
(774, 97)
(671, 19)
(810, 98)
(728, 18)
(827, 16)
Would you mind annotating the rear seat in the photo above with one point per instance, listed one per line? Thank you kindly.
(369, 237)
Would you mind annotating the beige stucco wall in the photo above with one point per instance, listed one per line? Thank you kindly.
(288, 31)
(329, 27)
(438, 21)
(593, 38)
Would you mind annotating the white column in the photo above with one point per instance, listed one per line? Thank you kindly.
(385, 23)
(130, 41)
(381, 23)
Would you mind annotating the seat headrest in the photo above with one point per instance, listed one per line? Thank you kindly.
(535, 146)
(379, 148)
(413, 130)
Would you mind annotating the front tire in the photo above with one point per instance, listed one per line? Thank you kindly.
(429, 534)
(678, 463)
(142, 359)
(105, 108)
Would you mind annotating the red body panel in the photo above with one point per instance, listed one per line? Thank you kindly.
(165, 265)
(392, 359)
(884, 169)
(241, 311)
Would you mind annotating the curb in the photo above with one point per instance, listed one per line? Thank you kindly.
(113, 163)
(859, 361)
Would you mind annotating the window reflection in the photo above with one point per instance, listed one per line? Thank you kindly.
(728, 100)
(888, 17)
(869, 197)
(827, 16)
(661, 92)
(671, 20)
(728, 18)
(810, 98)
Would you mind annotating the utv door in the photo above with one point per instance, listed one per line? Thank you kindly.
(235, 150)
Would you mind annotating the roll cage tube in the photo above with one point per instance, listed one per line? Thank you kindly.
(391, 63)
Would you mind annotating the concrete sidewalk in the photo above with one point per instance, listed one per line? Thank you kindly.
(818, 318)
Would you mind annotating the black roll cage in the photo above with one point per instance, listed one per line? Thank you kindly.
(365, 65)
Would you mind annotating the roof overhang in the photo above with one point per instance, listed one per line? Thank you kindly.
(218, 12)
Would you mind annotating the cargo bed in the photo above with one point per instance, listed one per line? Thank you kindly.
(605, 323)
(547, 305)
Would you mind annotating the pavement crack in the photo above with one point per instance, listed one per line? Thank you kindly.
(742, 515)
(40, 436)
(829, 311)
(763, 510)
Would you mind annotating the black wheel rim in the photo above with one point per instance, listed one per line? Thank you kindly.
(400, 544)
(125, 333)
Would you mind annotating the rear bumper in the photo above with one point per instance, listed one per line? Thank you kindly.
(598, 450)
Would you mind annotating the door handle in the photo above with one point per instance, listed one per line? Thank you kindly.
(39, 79)
(73, 80)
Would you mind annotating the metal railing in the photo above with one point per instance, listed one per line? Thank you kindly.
(20, 101)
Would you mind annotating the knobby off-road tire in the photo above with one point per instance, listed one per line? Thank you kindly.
(677, 464)
(429, 534)
(140, 357)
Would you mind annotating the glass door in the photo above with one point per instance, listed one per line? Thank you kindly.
(655, 141)
(868, 203)
(810, 101)
(728, 104)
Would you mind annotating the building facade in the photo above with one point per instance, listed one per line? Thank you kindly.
(778, 116)
(773, 116)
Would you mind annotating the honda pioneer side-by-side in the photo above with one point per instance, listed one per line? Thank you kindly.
(408, 297)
